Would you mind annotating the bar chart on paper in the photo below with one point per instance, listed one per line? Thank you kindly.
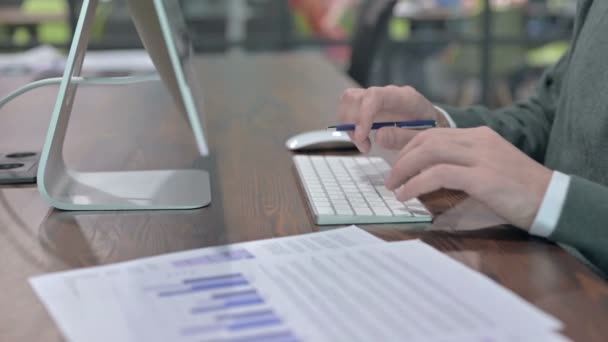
(316, 288)
(226, 306)
(195, 295)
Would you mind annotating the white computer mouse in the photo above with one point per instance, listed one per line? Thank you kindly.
(320, 140)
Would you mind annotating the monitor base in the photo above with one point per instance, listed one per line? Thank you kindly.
(64, 188)
(135, 190)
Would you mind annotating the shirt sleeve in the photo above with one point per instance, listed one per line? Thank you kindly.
(527, 123)
(447, 116)
(551, 206)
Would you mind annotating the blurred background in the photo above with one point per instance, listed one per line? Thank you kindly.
(459, 52)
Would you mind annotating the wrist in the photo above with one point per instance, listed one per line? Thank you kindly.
(540, 188)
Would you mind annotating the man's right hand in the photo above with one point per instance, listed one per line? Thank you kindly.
(363, 107)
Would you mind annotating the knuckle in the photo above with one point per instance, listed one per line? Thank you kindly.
(431, 150)
(409, 90)
(486, 132)
(400, 168)
(416, 141)
(350, 94)
(397, 171)
(424, 136)
(371, 97)
(434, 151)
(371, 92)
(439, 173)
(392, 88)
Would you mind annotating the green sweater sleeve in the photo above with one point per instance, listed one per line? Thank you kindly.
(526, 124)
(583, 223)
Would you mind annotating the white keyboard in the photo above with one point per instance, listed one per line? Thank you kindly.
(350, 190)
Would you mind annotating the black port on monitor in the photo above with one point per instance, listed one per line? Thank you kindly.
(20, 155)
(10, 166)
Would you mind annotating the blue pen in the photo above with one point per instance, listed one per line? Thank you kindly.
(421, 124)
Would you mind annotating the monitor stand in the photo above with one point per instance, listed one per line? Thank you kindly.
(67, 189)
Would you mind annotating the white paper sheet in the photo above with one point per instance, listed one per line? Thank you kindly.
(62, 299)
(342, 285)
(48, 59)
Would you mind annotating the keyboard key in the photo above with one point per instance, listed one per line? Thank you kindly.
(356, 201)
(416, 208)
(402, 212)
(363, 212)
(325, 211)
(382, 212)
(344, 212)
(341, 203)
(414, 201)
(420, 213)
(374, 200)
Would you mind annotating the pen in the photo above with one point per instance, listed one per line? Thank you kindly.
(421, 124)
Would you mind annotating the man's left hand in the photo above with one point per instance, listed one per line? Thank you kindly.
(477, 161)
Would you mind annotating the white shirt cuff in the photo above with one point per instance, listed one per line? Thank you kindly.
(551, 207)
(447, 117)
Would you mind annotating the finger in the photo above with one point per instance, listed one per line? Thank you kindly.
(365, 146)
(404, 103)
(453, 177)
(404, 100)
(349, 107)
(426, 156)
(461, 136)
(349, 104)
(371, 105)
(394, 138)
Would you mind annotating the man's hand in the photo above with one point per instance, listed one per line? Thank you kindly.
(477, 161)
(363, 107)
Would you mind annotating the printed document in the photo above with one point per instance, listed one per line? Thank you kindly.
(339, 285)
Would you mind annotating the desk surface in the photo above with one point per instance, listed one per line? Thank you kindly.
(253, 104)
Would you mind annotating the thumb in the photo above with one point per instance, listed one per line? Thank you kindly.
(394, 138)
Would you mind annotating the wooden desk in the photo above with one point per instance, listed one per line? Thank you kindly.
(253, 104)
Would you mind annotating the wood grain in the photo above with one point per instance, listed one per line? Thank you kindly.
(253, 103)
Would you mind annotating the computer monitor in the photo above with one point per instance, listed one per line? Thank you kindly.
(162, 28)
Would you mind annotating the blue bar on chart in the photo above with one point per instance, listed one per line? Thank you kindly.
(235, 276)
(245, 315)
(234, 294)
(254, 324)
(284, 336)
(280, 336)
(229, 304)
(229, 300)
(206, 284)
(215, 258)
